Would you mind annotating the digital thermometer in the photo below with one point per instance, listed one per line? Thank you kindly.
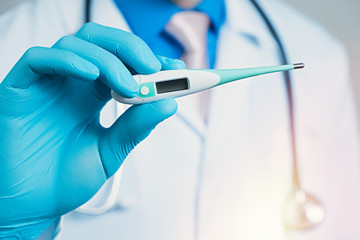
(178, 83)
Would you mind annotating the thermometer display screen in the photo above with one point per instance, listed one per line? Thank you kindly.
(172, 85)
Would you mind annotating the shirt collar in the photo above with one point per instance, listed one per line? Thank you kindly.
(140, 13)
(215, 9)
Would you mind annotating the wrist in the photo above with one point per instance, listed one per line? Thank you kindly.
(24, 231)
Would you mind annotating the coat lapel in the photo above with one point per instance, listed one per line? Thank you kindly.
(247, 143)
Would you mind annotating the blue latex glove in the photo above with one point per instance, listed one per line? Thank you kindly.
(54, 154)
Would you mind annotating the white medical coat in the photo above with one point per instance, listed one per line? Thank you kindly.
(231, 178)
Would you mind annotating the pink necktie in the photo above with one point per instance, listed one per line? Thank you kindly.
(190, 29)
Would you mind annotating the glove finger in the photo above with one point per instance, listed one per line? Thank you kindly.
(131, 128)
(129, 48)
(113, 73)
(39, 61)
(166, 64)
(170, 63)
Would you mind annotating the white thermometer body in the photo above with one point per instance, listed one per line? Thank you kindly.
(177, 83)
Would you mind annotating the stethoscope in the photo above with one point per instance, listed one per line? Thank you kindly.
(302, 210)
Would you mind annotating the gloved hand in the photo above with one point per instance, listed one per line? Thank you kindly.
(54, 154)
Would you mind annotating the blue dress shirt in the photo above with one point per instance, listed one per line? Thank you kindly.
(148, 18)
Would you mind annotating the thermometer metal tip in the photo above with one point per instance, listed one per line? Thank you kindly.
(299, 65)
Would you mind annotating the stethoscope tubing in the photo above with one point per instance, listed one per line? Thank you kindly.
(288, 83)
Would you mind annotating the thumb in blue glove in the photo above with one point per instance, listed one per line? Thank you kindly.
(55, 155)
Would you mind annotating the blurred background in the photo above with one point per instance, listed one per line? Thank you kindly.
(340, 17)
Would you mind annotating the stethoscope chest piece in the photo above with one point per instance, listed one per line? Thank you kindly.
(303, 211)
